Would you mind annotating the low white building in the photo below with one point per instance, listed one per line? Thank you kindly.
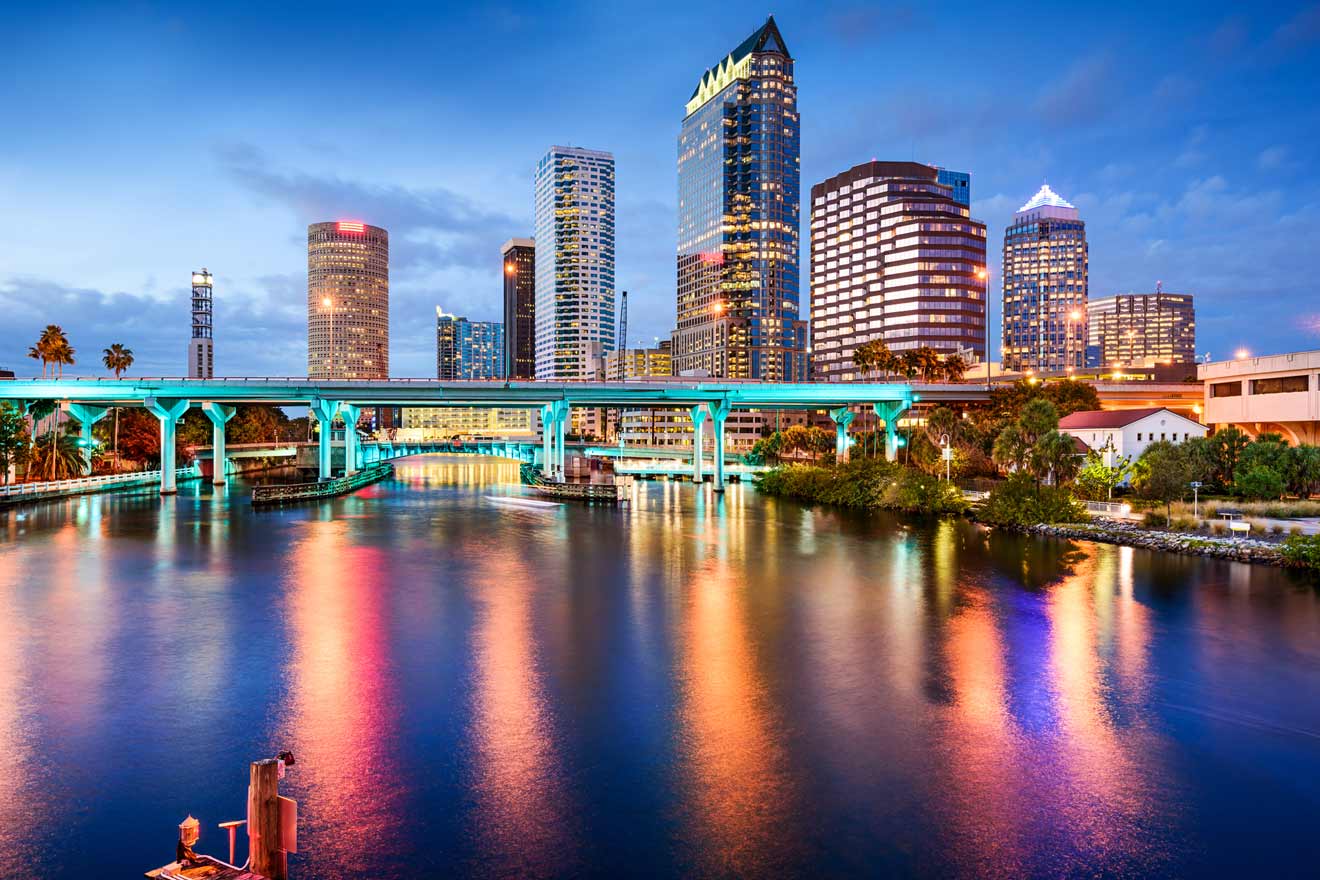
(1129, 431)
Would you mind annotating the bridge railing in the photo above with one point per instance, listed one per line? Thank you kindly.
(82, 484)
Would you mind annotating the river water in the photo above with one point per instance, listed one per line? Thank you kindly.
(689, 686)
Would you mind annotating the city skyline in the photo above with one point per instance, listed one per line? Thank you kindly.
(1173, 188)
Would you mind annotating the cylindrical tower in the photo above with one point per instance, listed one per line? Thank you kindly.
(201, 347)
(348, 301)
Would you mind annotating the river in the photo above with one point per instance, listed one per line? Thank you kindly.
(687, 686)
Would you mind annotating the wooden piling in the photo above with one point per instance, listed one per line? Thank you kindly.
(267, 857)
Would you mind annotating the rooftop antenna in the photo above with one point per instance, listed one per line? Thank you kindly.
(1159, 287)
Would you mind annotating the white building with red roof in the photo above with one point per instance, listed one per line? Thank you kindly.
(1129, 431)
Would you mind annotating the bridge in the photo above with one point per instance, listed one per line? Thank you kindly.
(89, 399)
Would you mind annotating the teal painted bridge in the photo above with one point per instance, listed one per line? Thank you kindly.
(88, 400)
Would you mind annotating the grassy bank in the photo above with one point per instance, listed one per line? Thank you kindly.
(866, 484)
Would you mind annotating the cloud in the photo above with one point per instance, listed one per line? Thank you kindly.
(1273, 158)
(1084, 95)
(1300, 30)
(430, 229)
(260, 331)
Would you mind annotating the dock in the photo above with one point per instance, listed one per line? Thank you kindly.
(618, 491)
(288, 493)
(205, 868)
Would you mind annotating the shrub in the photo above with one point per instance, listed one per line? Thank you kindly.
(1018, 501)
(1185, 524)
(1276, 529)
(864, 484)
(1295, 530)
(916, 492)
(1219, 528)
(1153, 519)
(1259, 482)
(1302, 551)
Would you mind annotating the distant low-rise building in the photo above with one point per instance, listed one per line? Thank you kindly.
(1277, 393)
(468, 349)
(1128, 432)
(1141, 330)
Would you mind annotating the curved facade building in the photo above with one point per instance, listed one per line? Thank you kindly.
(894, 257)
(348, 301)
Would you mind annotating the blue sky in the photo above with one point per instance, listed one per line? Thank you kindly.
(141, 141)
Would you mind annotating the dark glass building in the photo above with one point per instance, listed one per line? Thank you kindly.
(739, 215)
(519, 257)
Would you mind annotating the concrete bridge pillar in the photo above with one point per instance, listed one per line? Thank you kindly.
(351, 413)
(843, 417)
(889, 412)
(219, 414)
(562, 411)
(324, 411)
(168, 411)
(87, 415)
(698, 440)
(719, 411)
(547, 438)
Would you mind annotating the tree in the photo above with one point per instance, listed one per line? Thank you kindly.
(1054, 458)
(53, 347)
(1096, 479)
(955, 368)
(1163, 475)
(1302, 470)
(1228, 445)
(1258, 482)
(61, 458)
(928, 363)
(1267, 450)
(13, 439)
(117, 359)
(908, 364)
(35, 352)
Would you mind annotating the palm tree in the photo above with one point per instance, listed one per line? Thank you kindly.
(955, 368)
(908, 364)
(61, 354)
(927, 361)
(62, 459)
(1054, 458)
(863, 358)
(38, 354)
(117, 359)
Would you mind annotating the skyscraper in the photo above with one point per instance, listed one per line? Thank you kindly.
(348, 301)
(738, 217)
(1141, 329)
(468, 349)
(961, 184)
(574, 262)
(1045, 286)
(201, 347)
(894, 257)
(519, 258)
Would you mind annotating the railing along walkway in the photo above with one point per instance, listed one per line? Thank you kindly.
(281, 493)
(100, 483)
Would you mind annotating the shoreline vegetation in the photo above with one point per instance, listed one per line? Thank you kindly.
(1039, 478)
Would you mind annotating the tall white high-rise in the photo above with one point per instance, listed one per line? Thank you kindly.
(201, 347)
(574, 262)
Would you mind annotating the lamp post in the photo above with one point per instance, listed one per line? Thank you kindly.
(329, 305)
(983, 274)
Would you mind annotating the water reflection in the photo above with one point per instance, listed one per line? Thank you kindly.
(344, 715)
(521, 804)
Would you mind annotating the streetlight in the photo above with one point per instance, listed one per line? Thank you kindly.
(1242, 354)
(983, 274)
(328, 304)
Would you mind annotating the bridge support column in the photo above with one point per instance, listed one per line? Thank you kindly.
(87, 415)
(169, 412)
(698, 440)
(547, 439)
(889, 412)
(843, 417)
(351, 414)
(719, 411)
(561, 420)
(324, 412)
(219, 414)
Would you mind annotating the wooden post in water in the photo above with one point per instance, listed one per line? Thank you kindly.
(267, 858)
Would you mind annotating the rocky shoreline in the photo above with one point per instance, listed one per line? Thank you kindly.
(1130, 535)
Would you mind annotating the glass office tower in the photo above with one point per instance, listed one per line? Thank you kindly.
(519, 257)
(468, 349)
(1045, 286)
(738, 218)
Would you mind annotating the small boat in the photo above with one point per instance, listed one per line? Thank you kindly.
(526, 503)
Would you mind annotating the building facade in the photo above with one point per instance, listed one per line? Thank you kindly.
(894, 257)
(201, 347)
(468, 349)
(739, 212)
(1118, 434)
(1276, 393)
(519, 258)
(448, 422)
(574, 258)
(348, 301)
(1045, 286)
(639, 363)
(1141, 330)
